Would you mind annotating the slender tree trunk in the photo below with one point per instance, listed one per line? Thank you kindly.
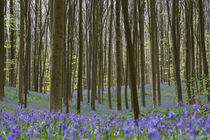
(132, 67)
(2, 49)
(100, 51)
(12, 50)
(176, 48)
(126, 84)
(153, 48)
(94, 57)
(169, 46)
(203, 49)
(39, 62)
(118, 56)
(21, 54)
(110, 57)
(79, 94)
(35, 47)
(28, 48)
(141, 5)
(192, 53)
(188, 48)
(90, 63)
(68, 85)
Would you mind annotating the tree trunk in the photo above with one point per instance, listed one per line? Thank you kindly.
(141, 5)
(28, 48)
(126, 84)
(203, 49)
(153, 48)
(110, 58)
(176, 48)
(55, 102)
(12, 50)
(79, 94)
(118, 56)
(2, 49)
(35, 47)
(21, 54)
(131, 58)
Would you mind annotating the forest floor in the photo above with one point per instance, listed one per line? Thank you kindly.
(39, 101)
(168, 121)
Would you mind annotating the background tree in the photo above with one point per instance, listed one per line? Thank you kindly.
(175, 31)
(21, 54)
(153, 35)
(12, 42)
(80, 57)
(110, 57)
(131, 59)
(28, 50)
(2, 49)
(118, 55)
(203, 49)
(141, 5)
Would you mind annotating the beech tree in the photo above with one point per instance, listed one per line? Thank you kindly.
(79, 96)
(21, 54)
(203, 49)
(175, 31)
(55, 102)
(131, 59)
(118, 55)
(1, 49)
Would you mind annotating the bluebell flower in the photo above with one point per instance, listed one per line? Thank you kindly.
(181, 104)
(72, 133)
(196, 106)
(1, 137)
(207, 125)
(170, 132)
(30, 132)
(171, 114)
(154, 134)
(11, 137)
(126, 130)
(64, 127)
(193, 132)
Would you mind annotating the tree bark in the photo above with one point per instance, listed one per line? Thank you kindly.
(110, 58)
(132, 67)
(153, 48)
(118, 55)
(12, 50)
(21, 54)
(2, 49)
(141, 5)
(55, 102)
(203, 49)
(79, 94)
(176, 48)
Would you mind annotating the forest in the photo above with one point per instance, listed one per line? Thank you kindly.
(105, 69)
